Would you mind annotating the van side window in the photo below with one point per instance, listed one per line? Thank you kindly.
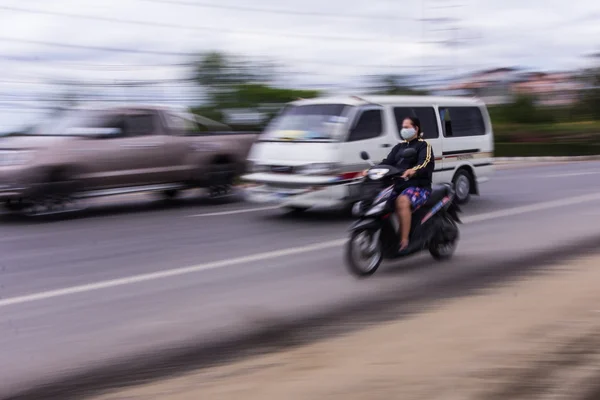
(426, 115)
(369, 126)
(462, 121)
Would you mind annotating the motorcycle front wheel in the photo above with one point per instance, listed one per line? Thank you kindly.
(363, 253)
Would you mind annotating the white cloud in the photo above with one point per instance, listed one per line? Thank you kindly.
(389, 36)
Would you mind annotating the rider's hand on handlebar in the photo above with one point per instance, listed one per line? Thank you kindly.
(409, 173)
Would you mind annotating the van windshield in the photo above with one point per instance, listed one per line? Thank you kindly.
(315, 122)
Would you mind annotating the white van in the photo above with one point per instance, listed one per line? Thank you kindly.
(309, 156)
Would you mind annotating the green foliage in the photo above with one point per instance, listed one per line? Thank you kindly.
(395, 85)
(234, 83)
(216, 71)
(523, 110)
(545, 149)
(253, 94)
(589, 103)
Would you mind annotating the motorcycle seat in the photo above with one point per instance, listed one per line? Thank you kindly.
(437, 194)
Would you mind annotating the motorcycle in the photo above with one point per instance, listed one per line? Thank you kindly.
(375, 236)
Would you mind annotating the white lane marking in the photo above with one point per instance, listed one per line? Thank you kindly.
(532, 208)
(561, 175)
(169, 273)
(572, 174)
(271, 255)
(238, 211)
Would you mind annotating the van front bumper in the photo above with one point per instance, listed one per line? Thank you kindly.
(299, 190)
(307, 197)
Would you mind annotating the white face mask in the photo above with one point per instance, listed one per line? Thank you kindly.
(407, 133)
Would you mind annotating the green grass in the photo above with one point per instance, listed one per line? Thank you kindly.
(563, 133)
(545, 149)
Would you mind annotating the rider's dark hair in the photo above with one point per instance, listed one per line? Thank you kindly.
(416, 123)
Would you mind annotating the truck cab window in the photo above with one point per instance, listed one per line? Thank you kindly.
(140, 125)
(113, 121)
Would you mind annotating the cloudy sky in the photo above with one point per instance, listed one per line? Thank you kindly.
(44, 45)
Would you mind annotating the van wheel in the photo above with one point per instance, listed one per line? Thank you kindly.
(462, 186)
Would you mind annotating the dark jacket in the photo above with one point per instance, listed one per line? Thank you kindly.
(424, 163)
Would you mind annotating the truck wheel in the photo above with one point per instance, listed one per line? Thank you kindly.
(296, 210)
(462, 186)
(220, 178)
(170, 194)
(57, 195)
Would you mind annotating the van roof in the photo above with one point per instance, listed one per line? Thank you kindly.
(389, 100)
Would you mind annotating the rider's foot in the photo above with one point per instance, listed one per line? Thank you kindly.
(403, 244)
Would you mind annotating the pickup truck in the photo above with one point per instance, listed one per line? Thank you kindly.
(118, 150)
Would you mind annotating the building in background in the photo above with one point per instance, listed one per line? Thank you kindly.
(550, 89)
(502, 85)
(493, 86)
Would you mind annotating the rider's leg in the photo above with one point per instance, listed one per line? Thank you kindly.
(403, 209)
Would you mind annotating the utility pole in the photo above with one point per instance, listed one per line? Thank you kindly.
(441, 26)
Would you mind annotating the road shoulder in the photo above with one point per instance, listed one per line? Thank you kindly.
(536, 337)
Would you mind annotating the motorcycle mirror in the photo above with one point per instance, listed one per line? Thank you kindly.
(364, 155)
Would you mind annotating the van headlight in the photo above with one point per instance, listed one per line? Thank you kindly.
(318, 169)
(256, 168)
(15, 157)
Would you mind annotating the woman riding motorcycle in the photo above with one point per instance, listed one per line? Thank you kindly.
(418, 174)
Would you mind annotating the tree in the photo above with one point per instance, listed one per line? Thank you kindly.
(219, 73)
(233, 83)
(589, 102)
(395, 85)
(253, 94)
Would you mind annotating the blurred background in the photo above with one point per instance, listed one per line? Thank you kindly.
(536, 63)
(149, 277)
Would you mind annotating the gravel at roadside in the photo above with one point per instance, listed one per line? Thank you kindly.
(535, 338)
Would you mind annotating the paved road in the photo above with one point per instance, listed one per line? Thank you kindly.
(131, 277)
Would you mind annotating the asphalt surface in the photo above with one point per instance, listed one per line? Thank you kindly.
(136, 275)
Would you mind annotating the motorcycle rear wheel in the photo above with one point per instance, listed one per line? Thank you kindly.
(361, 244)
(442, 250)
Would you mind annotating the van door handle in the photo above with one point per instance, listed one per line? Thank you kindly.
(386, 145)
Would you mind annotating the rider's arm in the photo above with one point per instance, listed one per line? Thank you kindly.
(391, 157)
(425, 161)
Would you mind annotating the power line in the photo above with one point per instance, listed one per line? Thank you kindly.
(97, 48)
(156, 52)
(276, 11)
(194, 28)
(87, 66)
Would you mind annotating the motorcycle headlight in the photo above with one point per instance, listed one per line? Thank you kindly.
(15, 157)
(318, 169)
(377, 173)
